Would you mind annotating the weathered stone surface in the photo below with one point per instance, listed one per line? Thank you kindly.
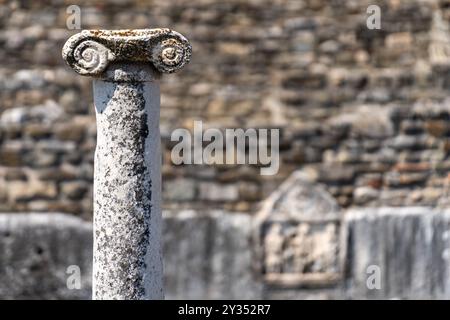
(91, 51)
(47, 113)
(300, 198)
(127, 179)
(32, 189)
(207, 256)
(36, 251)
(179, 189)
(365, 121)
(127, 185)
(409, 246)
(297, 235)
(218, 192)
(75, 190)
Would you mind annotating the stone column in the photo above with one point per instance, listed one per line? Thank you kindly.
(127, 65)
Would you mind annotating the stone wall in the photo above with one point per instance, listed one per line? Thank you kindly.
(206, 256)
(212, 255)
(363, 111)
(409, 247)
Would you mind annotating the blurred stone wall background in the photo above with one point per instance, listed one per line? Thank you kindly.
(362, 113)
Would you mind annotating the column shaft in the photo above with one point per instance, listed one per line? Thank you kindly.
(126, 66)
(127, 185)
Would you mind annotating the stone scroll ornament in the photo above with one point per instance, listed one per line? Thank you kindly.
(126, 66)
(91, 51)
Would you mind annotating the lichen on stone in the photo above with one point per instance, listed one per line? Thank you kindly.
(91, 51)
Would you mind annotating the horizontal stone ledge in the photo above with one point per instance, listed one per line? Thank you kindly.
(203, 251)
(303, 280)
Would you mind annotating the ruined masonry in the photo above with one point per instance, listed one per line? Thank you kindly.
(363, 114)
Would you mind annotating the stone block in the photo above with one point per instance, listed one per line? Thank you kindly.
(179, 189)
(406, 247)
(21, 191)
(207, 255)
(74, 190)
(297, 235)
(36, 251)
(210, 191)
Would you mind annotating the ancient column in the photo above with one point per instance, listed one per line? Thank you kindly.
(126, 66)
